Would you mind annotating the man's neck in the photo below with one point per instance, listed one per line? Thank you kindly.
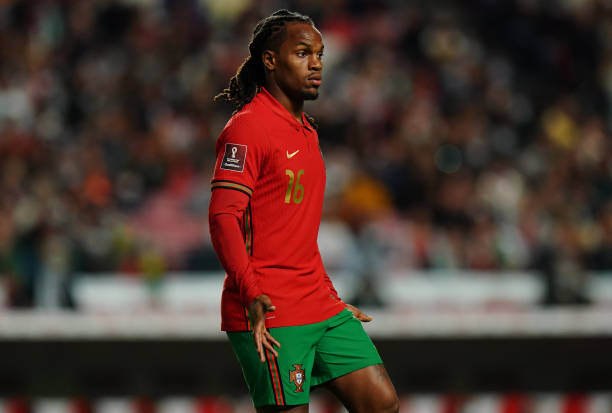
(295, 108)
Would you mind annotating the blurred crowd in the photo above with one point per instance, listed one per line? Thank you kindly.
(456, 134)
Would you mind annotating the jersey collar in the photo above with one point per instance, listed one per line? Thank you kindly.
(276, 107)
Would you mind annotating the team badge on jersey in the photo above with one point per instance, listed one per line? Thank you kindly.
(234, 157)
(297, 377)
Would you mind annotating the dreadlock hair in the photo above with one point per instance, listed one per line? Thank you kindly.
(267, 35)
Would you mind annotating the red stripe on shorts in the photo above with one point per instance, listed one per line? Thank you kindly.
(274, 376)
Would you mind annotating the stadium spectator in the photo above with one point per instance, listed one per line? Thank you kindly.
(479, 134)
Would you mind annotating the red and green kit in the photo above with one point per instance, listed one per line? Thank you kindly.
(275, 166)
(265, 212)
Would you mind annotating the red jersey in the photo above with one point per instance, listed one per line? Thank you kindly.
(275, 163)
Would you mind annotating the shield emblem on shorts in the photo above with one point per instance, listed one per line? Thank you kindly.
(296, 376)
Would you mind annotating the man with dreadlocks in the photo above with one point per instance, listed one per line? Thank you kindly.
(264, 218)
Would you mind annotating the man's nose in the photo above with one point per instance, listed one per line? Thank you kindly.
(316, 63)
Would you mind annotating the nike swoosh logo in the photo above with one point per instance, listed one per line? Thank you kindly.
(291, 155)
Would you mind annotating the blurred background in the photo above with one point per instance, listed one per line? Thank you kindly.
(468, 202)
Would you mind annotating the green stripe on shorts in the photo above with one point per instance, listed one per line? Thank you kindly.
(310, 355)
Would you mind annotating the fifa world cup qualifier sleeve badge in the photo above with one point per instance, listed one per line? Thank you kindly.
(234, 157)
(297, 376)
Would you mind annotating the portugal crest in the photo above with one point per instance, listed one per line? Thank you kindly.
(297, 377)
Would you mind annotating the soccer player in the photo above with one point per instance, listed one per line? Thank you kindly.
(288, 327)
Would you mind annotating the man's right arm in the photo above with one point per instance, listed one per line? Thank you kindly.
(226, 209)
(224, 214)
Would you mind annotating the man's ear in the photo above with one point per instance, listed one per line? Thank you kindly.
(269, 59)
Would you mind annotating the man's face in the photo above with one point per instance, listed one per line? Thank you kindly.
(298, 62)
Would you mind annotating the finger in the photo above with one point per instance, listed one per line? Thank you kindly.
(268, 306)
(257, 336)
(268, 346)
(361, 316)
(260, 351)
(358, 314)
(272, 339)
(364, 317)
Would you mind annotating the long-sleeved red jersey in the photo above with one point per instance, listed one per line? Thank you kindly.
(264, 217)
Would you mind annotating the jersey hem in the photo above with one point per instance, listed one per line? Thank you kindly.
(287, 324)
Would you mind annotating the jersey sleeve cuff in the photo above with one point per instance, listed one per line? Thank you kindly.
(226, 184)
(251, 293)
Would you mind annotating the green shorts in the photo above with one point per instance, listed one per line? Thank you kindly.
(310, 355)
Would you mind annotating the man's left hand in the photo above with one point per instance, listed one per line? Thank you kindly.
(358, 314)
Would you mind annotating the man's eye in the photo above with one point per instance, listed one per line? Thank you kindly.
(301, 53)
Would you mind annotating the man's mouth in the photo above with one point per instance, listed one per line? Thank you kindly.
(315, 80)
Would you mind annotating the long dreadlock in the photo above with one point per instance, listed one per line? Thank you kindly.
(267, 35)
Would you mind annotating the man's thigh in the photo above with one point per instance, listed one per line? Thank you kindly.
(283, 381)
(367, 390)
(344, 347)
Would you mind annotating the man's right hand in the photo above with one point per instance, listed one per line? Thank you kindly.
(257, 316)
